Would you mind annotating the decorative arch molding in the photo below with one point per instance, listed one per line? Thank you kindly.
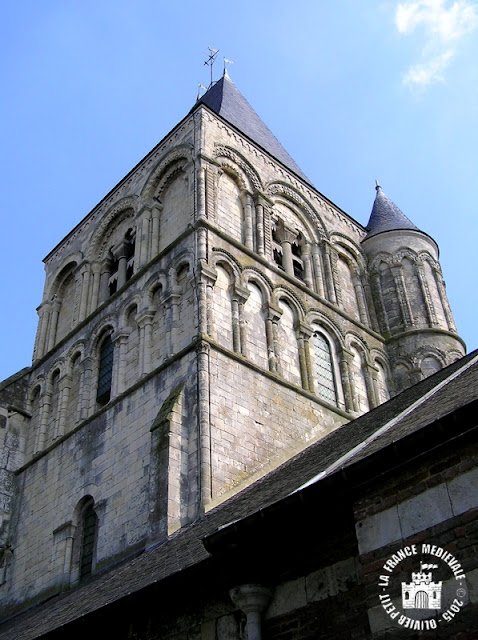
(426, 256)
(341, 241)
(377, 355)
(222, 257)
(165, 171)
(430, 352)
(185, 258)
(59, 365)
(241, 166)
(68, 266)
(403, 253)
(352, 339)
(254, 276)
(79, 348)
(387, 258)
(123, 210)
(287, 191)
(106, 325)
(236, 175)
(159, 280)
(288, 295)
(317, 317)
(39, 384)
(126, 307)
(452, 355)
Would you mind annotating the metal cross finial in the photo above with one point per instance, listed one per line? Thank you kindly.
(211, 60)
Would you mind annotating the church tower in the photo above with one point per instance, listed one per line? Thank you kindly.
(211, 317)
(409, 293)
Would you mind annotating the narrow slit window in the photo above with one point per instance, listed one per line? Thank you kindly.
(90, 525)
(105, 373)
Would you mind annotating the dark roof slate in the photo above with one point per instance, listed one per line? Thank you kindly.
(386, 216)
(227, 101)
(441, 394)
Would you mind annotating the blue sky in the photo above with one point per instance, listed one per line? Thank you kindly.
(354, 91)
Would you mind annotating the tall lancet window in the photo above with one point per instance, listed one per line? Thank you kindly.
(105, 372)
(89, 526)
(324, 372)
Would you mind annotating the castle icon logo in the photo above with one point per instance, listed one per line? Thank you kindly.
(422, 592)
(424, 603)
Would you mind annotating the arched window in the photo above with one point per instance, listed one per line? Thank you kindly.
(324, 370)
(88, 531)
(105, 372)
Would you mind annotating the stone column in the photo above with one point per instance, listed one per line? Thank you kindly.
(238, 297)
(287, 237)
(444, 300)
(201, 191)
(155, 231)
(120, 252)
(144, 238)
(370, 302)
(303, 335)
(273, 315)
(64, 391)
(306, 259)
(85, 390)
(205, 473)
(430, 307)
(85, 290)
(329, 276)
(249, 233)
(44, 417)
(319, 277)
(120, 341)
(55, 310)
(360, 296)
(95, 287)
(381, 311)
(252, 599)
(206, 279)
(63, 538)
(171, 303)
(106, 267)
(345, 374)
(368, 371)
(44, 317)
(259, 224)
(403, 300)
(376, 384)
(145, 324)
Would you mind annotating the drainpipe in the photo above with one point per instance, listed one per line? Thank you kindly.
(252, 599)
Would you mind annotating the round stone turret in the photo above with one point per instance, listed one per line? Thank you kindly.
(409, 295)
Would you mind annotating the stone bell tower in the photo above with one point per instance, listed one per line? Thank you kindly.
(212, 316)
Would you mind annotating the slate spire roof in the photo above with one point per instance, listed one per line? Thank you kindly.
(227, 101)
(386, 216)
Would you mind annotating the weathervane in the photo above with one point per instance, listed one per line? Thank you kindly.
(212, 55)
(226, 61)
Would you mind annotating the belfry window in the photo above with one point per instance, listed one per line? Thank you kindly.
(287, 249)
(297, 263)
(324, 371)
(105, 371)
(121, 262)
(277, 247)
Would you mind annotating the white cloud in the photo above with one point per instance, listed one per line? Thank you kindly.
(443, 26)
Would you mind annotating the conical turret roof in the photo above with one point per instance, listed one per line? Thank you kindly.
(227, 101)
(386, 216)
